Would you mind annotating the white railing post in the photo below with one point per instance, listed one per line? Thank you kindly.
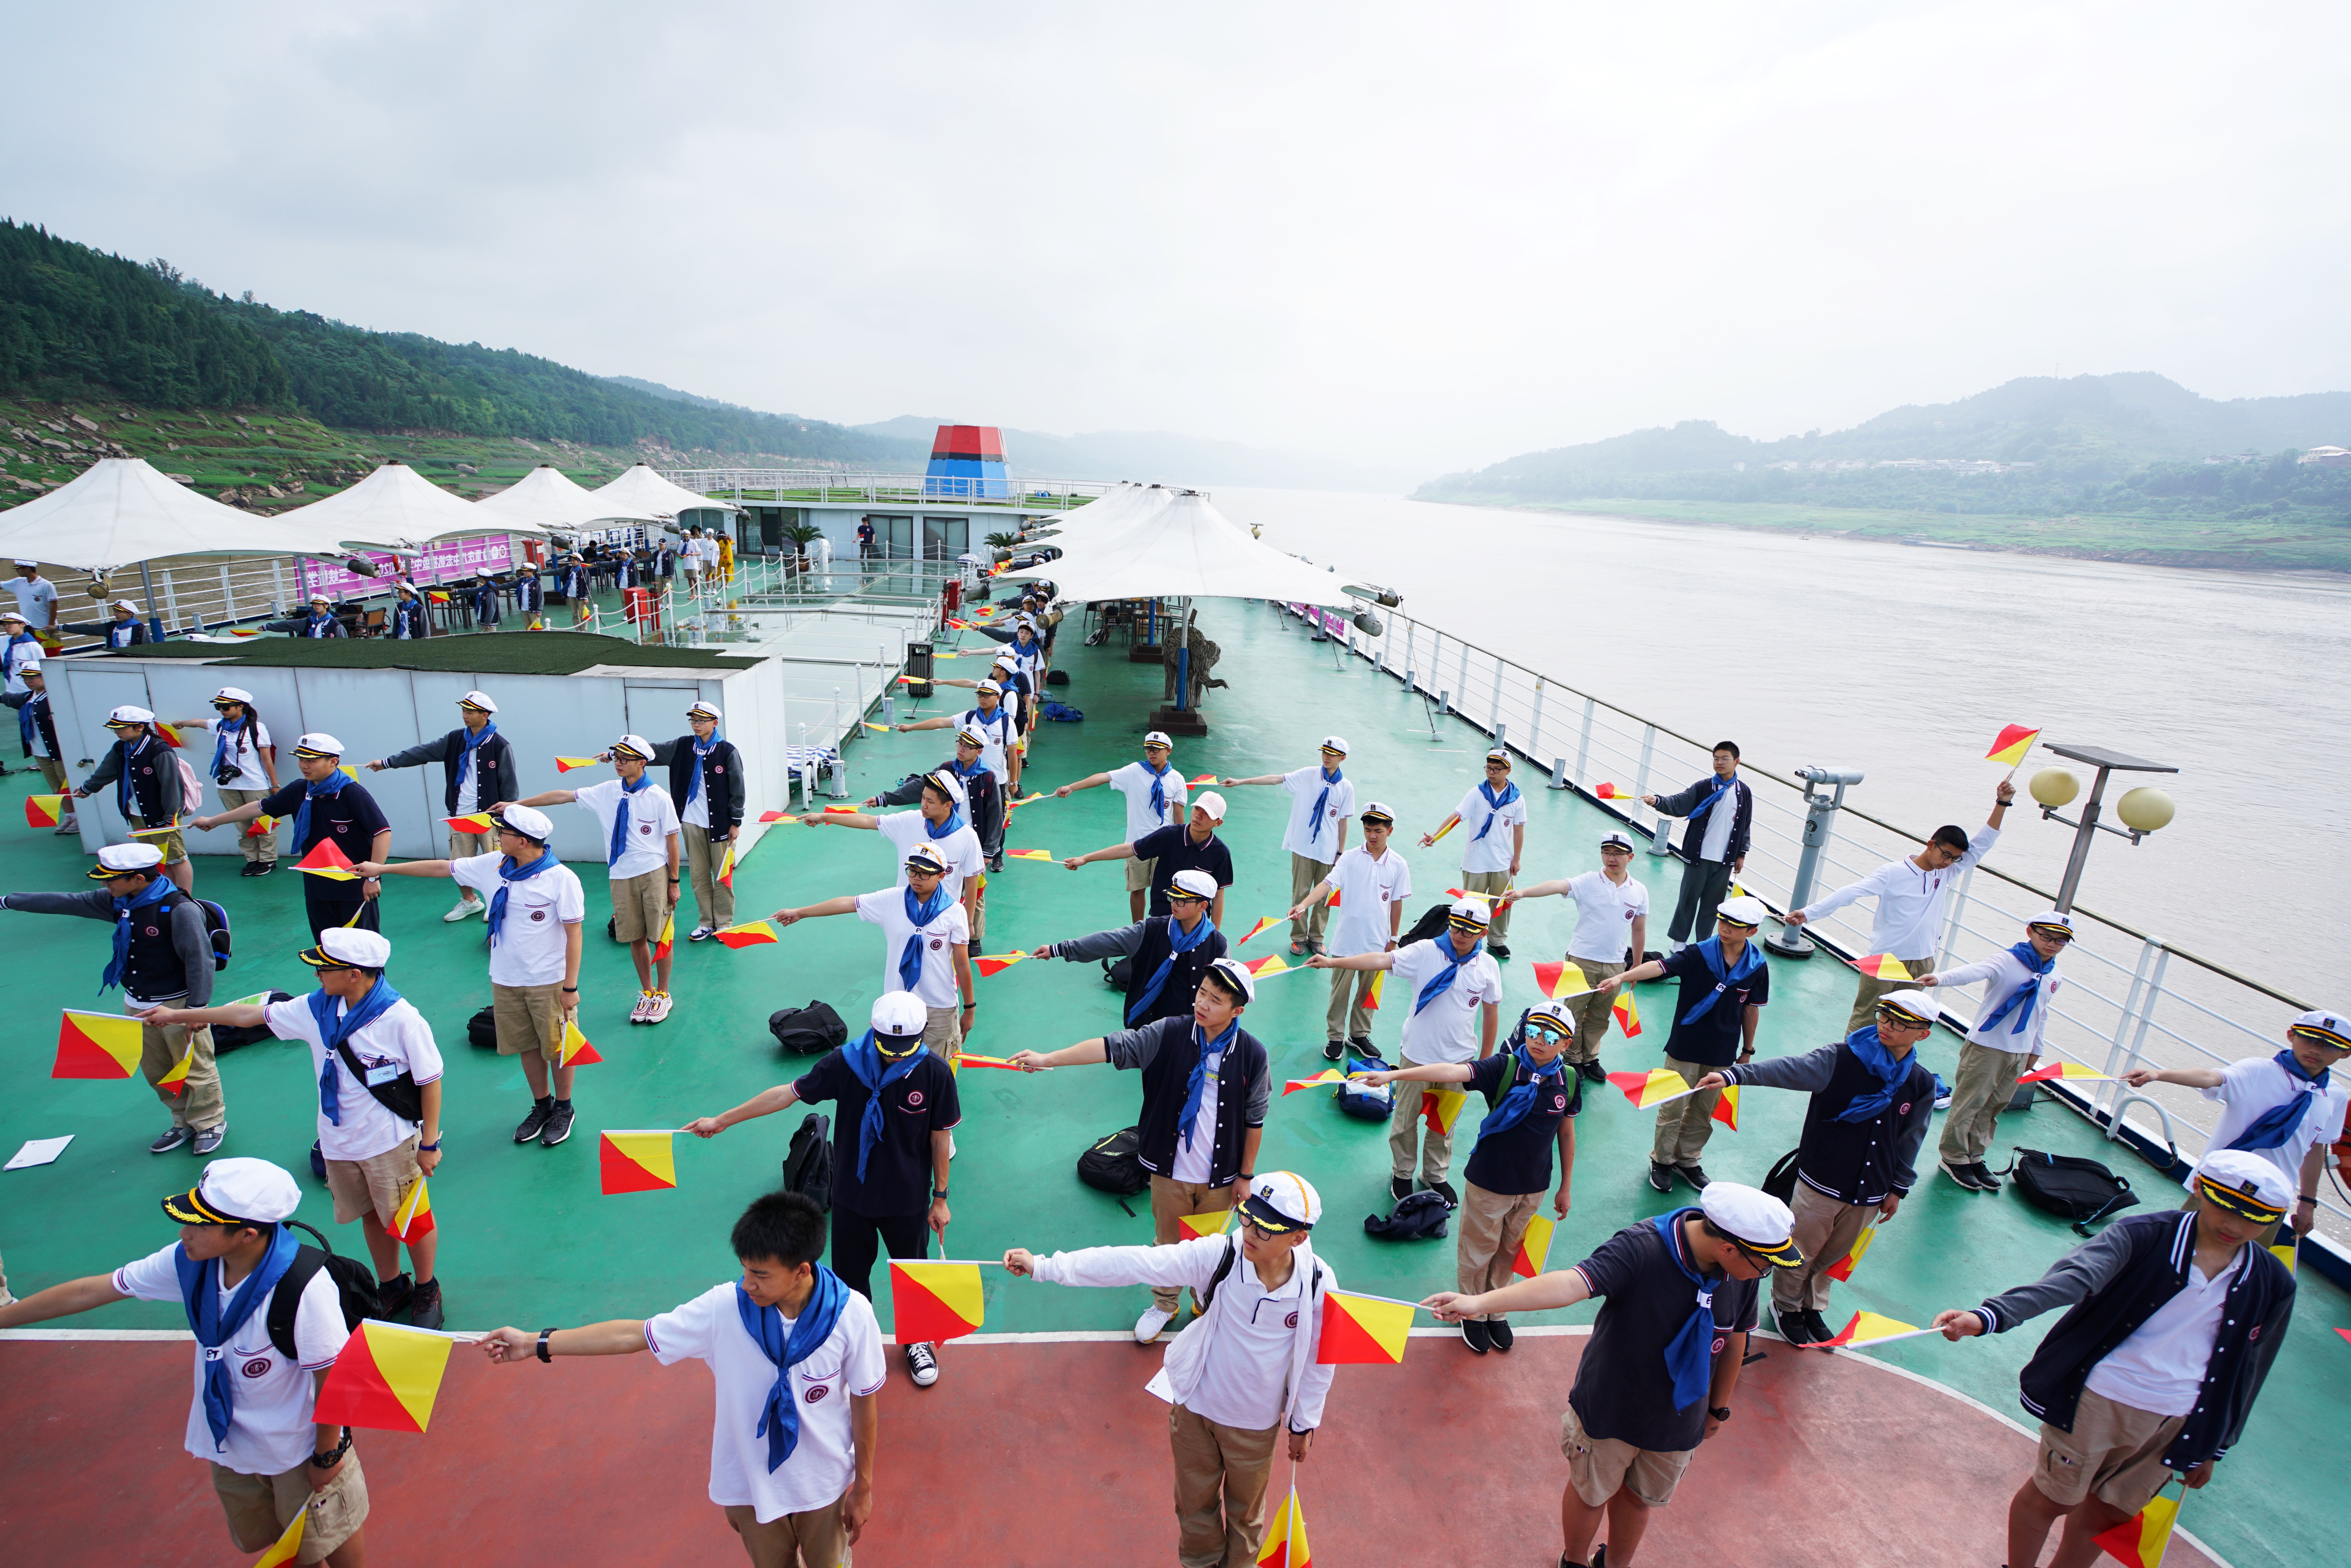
(1461, 674)
(1951, 923)
(170, 605)
(1494, 702)
(1583, 738)
(228, 597)
(2149, 952)
(1661, 840)
(1533, 747)
(1411, 670)
(2139, 1034)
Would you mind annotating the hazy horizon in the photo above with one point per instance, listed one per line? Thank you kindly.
(1423, 241)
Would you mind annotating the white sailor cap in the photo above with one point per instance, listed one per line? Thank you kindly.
(1745, 910)
(925, 858)
(21, 561)
(29, 666)
(129, 712)
(949, 785)
(315, 599)
(1915, 1006)
(1192, 882)
(900, 1014)
(1158, 738)
(1468, 914)
(349, 947)
(16, 616)
(989, 687)
(1337, 742)
(232, 694)
(317, 743)
(121, 860)
(530, 821)
(1499, 754)
(2054, 923)
(126, 604)
(636, 747)
(236, 1191)
(1616, 839)
(705, 710)
(1235, 975)
(1377, 812)
(1757, 1220)
(1283, 1201)
(2330, 1028)
(478, 700)
(968, 736)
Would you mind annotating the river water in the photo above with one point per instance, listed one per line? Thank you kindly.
(1905, 662)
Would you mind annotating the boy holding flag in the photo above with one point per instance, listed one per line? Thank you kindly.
(1166, 954)
(1532, 1097)
(478, 772)
(1612, 932)
(708, 782)
(640, 826)
(925, 946)
(1370, 883)
(327, 805)
(795, 1360)
(1155, 798)
(1322, 798)
(2005, 1043)
(1493, 817)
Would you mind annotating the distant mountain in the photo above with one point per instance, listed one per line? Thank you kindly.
(1164, 456)
(2088, 426)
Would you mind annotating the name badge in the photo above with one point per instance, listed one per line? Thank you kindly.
(378, 1076)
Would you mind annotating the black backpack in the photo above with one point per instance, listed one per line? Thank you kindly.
(809, 1031)
(231, 1037)
(404, 1096)
(808, 1164)
(482, 1029)
(2070, 1187)
(354, 1284)
(1115, 1165)
(1782, 1182)
(1430, 925)
(1417, 1217)
(1119, 972)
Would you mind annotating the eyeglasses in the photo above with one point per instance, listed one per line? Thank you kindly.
(1894, 1020)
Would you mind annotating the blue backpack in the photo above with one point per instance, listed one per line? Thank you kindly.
(1063, 712)
(1370, 1103)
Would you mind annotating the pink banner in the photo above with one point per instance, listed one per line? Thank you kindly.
(443, 561)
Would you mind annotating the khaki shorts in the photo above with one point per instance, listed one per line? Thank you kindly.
(527, 1017)
(373, 1183)
(2114, 1450)
(259, 1508)
(1599, 1467)
(465, 846)
(174, 849)
(1138, 874)
(639, 905)
(940, 1033)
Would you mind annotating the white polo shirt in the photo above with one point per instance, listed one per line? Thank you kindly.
(1368, 891)
(1447, 1029)
(1134, 782)
(997, 730)
(33, 599)
(529, 950)
(1493, 851)
(887, 909)
(2160, 1367)
(710, 1329)
(2252, 1086)
(2007, 973)
(653, 817)
(1604, 912)
(246, 758)
(959, 849)
(396, 1041)
(1302, 837)
(269, 1427)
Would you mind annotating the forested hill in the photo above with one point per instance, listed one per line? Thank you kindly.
(76, 322)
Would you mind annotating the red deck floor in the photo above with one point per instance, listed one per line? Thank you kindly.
(1031, 1454)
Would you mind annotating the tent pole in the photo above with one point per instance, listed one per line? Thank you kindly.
(154, 621)
(1183, 651)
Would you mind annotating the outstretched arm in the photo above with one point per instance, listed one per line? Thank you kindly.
(62, 1301)
(1434, 1072)
(942, 722)
(544, 798)
(619, 1336)
(766, 1103)
(405, 868)
(1116, 852)
(1084, 1053)
(1556, 887)
(1262, 778)
(840, 819)
(1357, 961)
(1541, 1294)
(845, 904)
(1088, 782)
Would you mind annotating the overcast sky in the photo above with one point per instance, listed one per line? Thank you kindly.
(1431, 236)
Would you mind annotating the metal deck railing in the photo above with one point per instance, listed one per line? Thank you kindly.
(2130, 999)
(787, 486)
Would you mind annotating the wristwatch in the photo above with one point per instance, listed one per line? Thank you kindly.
(543, 1334)
(938, 1194)
(1720, 1412)
(328, 1458)
(432, 1148)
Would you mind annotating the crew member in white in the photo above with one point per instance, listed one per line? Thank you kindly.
(2004, 1043)
(1322, 798)
(1612, 931)
(1155, 798)
(1490, 860)
(1369, 884)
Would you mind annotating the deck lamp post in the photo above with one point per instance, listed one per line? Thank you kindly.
(2142, 810)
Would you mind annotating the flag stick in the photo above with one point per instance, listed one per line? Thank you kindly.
(1865, 1343)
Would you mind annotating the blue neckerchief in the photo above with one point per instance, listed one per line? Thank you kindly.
(125, 797)
(942, 830)
(1686, 1357)
(966, 774)
(1331, 776)
(624, 815)
(702, 749)
(780, 1416)
(155, 893)
(29, 719)
(10, 658)
(510, 872)
(1444, 982)
(1494, 804)
(1751, 958)
(922, 912)
(1178, 942)
(1863, 1043)
(1712, 795)
(1512, 1108)
(997, 721)
(475, 740)
(864, 1060)
(1158, 789)
(224, 732)
(1211, 1051)
(317, 789)
(214, 1325)
(2035, 966)
(316, 625)
(402, 617)
(2273, 1126)
(333, 1031)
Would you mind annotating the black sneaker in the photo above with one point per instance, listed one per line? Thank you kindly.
(392, 1296)
(1965, 1174)
(1661, 1176)
(252, 868)
(558, 1126)
(263, 868)
(1793, 1326)
(1444, 1189)
(532, 1125)
(209, 1139)
(1695, 1175)
(1474, 1335)
(1985, 1180)
(1818, 1328)
(1498, 1332)
(424, 1307)
(1500, 950)
(1592, 1072)
(1332, 1050)
(1600, 1555)
(173, 1138)
(1399, 1188)
(1362, 1045)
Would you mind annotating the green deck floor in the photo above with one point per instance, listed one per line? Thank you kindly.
(527, 1239)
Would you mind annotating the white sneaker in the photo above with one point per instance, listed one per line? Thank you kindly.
(657, 1006)
(645, 1004)
(466, 909)
(1148, 1326)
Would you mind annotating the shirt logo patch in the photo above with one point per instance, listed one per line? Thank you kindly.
(1290, 1322)
(1902, 1109)
(259, 1367)
(914, 1099)
(645, 827)
(938, 942)
(539, 914)
(1717, 1345)
(151, 930)
(1559, 1102)
(815, 1393)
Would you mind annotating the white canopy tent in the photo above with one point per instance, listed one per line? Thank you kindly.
(1126, 503)
(121, 512)
(640, 493)
(1183, 549)
(547, 498)
(396, 507)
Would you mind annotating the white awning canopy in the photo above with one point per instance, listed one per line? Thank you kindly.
(640, 493)
(547, 498)
(1185, 548)
(120, 511)
(396, 507)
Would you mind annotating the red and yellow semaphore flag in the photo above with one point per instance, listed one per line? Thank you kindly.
(1372, 996)
(1627, 1011)
(1535, 1247)
(2141, 1539)
(2063, 1072)
(1844, 1267)
(636, 1159)
(1561, 980)
(480, 823)
(990, 964)
(725, 877)
(1265, 921)
(287, 1547)
(2011, 745)
(1868, 1328)
(566, 764)
(573, 1050)
(97, 1045)
(1726, 1110)
(668, 937)
(45, 811)
(1329, 1078)
(1653, 1087)
(1285, 1537)
(327, 859)
(751, 935)
(1261, 967)
(931, 1301)
(387, 1377)
(1884, 966)
(412, 1219)
(177, 1078)
(1211, 1223)
(1363, 1330)
(1440, 1105)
